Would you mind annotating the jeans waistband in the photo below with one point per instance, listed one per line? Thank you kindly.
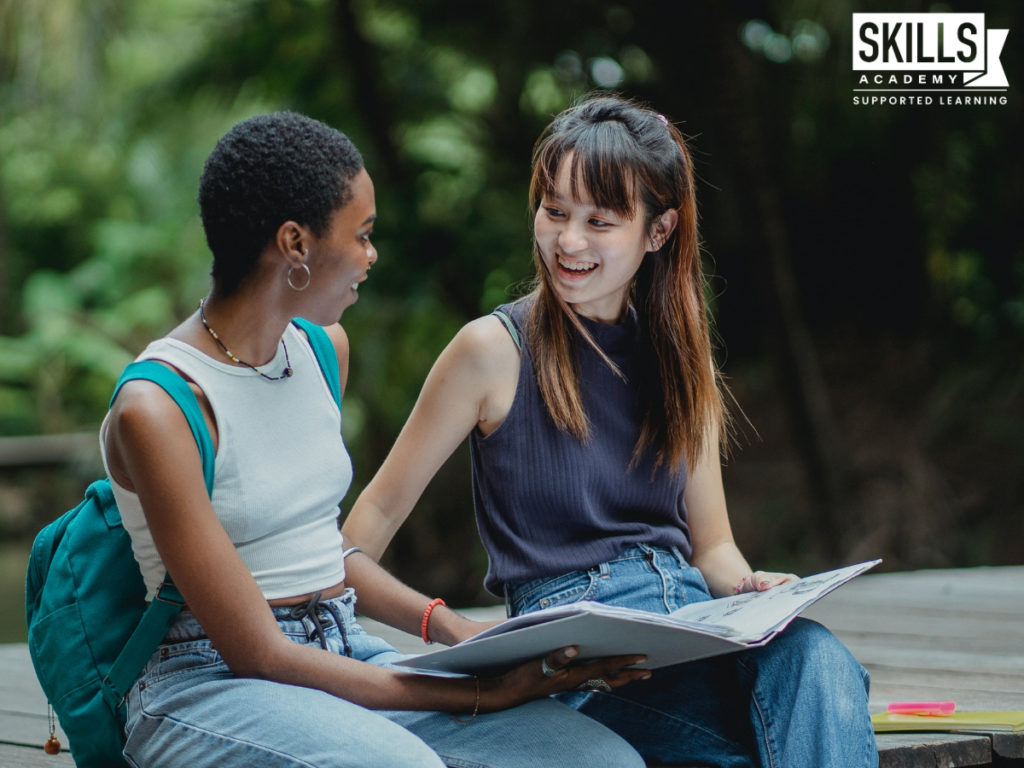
(646, 551)
(634, 552)
(313, 617)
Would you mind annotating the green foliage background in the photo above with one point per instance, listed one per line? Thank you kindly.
(869, 269)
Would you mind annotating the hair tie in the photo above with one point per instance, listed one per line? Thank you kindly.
(663, 119)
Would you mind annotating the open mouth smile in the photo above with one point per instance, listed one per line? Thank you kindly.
(575, 266)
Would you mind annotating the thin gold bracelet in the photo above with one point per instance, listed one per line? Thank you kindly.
(476, 705)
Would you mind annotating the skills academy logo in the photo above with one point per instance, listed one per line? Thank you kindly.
(924, 59)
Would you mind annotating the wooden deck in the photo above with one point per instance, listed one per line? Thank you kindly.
(923, 635)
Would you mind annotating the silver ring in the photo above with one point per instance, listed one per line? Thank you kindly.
(596, 684)
(547, 669)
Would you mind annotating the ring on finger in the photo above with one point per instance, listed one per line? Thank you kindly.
(547, 669)
(596, 684)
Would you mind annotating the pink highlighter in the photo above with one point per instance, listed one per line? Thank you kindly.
(933, 708)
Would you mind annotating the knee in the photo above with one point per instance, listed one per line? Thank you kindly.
(811, 647)
(806, 648)
(601, 747)
(614, 752)
(569, 739)
(810, 640)
(607, 753)
(402, 751)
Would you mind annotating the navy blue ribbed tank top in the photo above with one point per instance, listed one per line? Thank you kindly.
(547, 504)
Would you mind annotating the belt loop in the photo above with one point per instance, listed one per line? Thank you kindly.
(604, 570)
(679, 557)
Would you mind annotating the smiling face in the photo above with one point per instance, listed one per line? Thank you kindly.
(592, 254)
(339, 261)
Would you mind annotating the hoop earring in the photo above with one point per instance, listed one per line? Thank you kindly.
(305, 285)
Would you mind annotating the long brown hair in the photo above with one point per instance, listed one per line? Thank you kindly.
(623, 154)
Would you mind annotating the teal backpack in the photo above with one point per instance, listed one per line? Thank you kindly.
(90, 631)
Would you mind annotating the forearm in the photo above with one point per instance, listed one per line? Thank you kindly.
(726, 572)
(362, 683)
(723, 567)
(386, 599)
(386, 688)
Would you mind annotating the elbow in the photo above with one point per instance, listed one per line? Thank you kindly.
(262, 660)
(369, 528)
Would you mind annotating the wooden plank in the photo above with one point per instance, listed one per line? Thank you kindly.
(955, 582)
(925, 626)
(1008, 745)
(973, 590)
(985, 589)
(899, 611)
(982, 665)
(26, 730)
(928, 750)
(1001, 641)
(19, 679)
(23, 708)
(33, 757)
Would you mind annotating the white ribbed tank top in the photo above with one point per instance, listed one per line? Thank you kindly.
(280, 473)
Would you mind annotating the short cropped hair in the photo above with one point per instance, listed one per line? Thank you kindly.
(266, 170)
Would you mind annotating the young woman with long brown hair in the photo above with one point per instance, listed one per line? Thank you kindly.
(595, 415)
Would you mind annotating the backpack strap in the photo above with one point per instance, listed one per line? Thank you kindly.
(510, 327)
(182, 394)
(168, 600)
(151, 629)
(326, 356)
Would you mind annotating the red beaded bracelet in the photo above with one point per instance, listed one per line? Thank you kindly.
(426, 617)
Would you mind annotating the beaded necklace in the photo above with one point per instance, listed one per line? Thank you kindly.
(287, 361)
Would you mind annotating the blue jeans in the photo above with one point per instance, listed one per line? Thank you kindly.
(188, 709)
(799, 702)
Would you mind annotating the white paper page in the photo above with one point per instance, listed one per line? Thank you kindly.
(586, 606)
(754, 615)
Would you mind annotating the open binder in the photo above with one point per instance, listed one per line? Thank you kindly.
(693, 632)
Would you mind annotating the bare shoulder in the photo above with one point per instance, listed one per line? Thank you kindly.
(338, 337)
(140, 402)
(144, 419)
(484, 362)
(485, 344)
